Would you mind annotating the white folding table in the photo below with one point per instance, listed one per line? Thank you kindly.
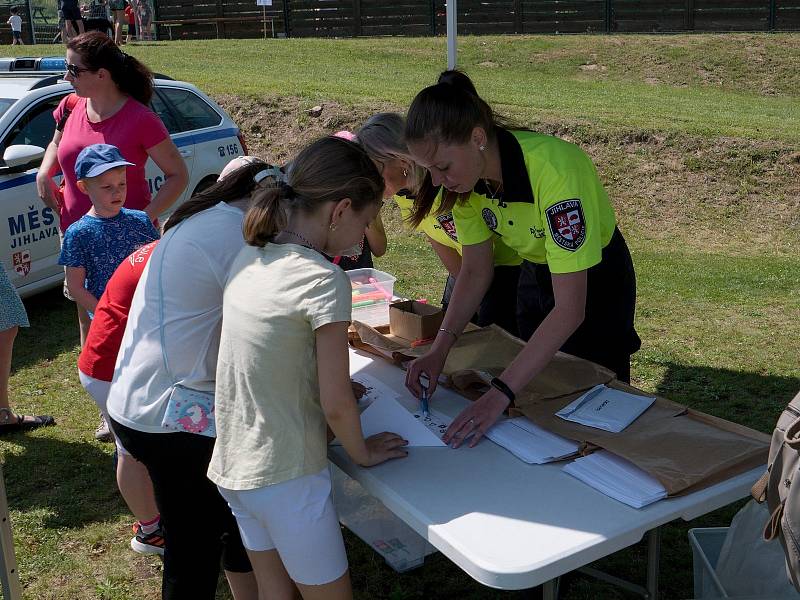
(508, 524)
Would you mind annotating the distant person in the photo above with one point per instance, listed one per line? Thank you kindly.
(117, 8)
(73, 21)
(130, 14)
(12, 317)
(16, 27)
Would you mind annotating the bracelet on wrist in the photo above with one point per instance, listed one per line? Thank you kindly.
(453, 333)
(503, 388)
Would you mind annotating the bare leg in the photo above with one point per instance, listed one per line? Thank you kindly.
(6, 347)
(340, 589)
(274, 582)
(136, 488)
(80, 26)
(83, 322)
(117, 17)
(243, 585)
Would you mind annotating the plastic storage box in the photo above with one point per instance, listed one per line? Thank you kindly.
(373, 291)
(706, 544)
(401, 547)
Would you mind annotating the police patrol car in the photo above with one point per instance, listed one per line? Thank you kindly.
(30, 89)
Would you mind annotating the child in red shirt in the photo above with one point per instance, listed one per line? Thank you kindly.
(96, 370)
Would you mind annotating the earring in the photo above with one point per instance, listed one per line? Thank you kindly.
(405, 172)
(332, 227)
(481, 147)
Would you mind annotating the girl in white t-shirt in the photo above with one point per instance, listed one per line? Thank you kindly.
(282, 371)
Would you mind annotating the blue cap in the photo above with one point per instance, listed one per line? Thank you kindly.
(96, 159)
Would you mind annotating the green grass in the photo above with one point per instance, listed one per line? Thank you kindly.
(695, 139)
(734, 85)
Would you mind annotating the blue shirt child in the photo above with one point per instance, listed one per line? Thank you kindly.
(99, 244)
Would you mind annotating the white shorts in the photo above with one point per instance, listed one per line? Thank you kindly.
(98, 390)
(296, 518)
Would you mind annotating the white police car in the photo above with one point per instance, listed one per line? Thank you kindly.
(205, 135)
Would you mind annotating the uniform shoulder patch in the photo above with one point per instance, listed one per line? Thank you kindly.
(448, 225)
(567, 224)
(489, 218)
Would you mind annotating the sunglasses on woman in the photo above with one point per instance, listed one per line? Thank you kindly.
(75, 70)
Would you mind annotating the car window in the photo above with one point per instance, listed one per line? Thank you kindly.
(5, 104)
(158, 106)
(36, 126)
(194, 111)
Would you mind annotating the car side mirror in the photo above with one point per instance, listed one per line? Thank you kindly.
(22, 156)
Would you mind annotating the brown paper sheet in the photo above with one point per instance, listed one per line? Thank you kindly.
(684, 449)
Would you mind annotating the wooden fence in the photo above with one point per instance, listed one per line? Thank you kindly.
(352, 18)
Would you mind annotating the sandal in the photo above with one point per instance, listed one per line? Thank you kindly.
(10, 421)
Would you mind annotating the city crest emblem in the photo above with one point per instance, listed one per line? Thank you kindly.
(567, 224)
(22, 262)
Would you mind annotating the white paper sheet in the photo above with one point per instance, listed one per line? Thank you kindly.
(435, 421)
(386, 414)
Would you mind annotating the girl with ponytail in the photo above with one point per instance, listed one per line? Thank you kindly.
(542, 196)
(109, 106)
(282, 371)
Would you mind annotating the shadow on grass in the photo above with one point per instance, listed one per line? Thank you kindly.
(53, 330)
(73, 483)
(747, 398)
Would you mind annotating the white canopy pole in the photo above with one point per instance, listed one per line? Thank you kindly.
(451, 9)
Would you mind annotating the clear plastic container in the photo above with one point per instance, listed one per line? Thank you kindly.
(373, 291)
(400, 546)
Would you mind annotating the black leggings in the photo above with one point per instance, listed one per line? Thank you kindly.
(607, 335)
(199, 528)
(499, 305)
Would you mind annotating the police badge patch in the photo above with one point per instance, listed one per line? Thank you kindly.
(567, 225)
(448, 225)
(490, 218)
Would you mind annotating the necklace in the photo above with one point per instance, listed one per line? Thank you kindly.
(493, 194)
(302, 238)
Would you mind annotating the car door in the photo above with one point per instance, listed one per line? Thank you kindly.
(29, 233)
(213, 140)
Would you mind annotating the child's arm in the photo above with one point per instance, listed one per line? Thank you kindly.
(376, 236)
(76, 280)
(339, 404)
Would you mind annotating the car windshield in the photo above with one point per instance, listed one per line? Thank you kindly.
(5, 103)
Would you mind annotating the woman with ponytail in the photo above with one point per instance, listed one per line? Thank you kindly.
(109, 106)
(171, 342)
(282, 373)
(542, 196)
(382, 137)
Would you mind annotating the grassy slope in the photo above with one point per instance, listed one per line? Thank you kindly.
(695, 139)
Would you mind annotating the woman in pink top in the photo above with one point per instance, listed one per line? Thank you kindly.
(113, 90)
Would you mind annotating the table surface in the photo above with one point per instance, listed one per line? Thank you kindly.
(508, 524)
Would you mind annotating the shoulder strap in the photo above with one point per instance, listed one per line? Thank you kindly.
(69, 106)
(163, 245)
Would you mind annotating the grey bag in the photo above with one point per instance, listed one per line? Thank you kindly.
(782, 493)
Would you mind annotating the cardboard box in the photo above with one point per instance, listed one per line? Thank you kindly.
(412, 320)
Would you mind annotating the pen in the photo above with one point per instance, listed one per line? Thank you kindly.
(424, 401)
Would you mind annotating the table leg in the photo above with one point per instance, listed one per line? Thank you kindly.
(8, 562)
(550, 589)
(653, 561)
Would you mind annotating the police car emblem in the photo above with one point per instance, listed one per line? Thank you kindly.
(490, 218)
(22, 262)
(567, 225)
(448, 225)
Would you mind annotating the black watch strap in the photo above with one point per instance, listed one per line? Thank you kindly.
(501, 386)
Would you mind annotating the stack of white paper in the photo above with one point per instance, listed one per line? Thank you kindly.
(606, 408)
(529, 442)
(617, 478)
